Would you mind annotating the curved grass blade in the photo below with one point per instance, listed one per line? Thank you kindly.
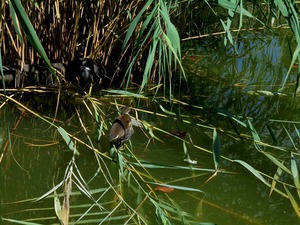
(271, 133)
(275, 179)
(276, 162)
(216, 149)
(252, 170)
(30, 33)
(167, 111)
(229, 115)
(19, 221)
(171, 30)
(57, 207)
(1, 72)
(50, 191)
(68, 140)
(15, 22)
(236, 8)
(236, 129)
(254, 132)
(150, 60)
(126, 93)
(295, 174)
(293, 201)
(134, 23)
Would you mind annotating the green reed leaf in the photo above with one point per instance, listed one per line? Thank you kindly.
(15, 22)
(1, 73)
(126, 93)
(167, 111)
(254, 133)
(276, 162)
(293, 201)
(271, 133)
(216, 149)
(149, 62)
(68, 140)
(295, 173)
(30, 32)
(275, 179)
(252, 170)
(57, 207)
(134, 23)
(19, 221)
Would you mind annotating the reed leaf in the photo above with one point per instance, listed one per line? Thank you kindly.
(58, 208)
(275, 179)
(1, 72)
(15, 22)
(216, 149)
(277, 162)
(295, 173)
(271, 133)
(293, 201)
(19, 221)
(30, 32)
(134, 23)
(68, 140)
(252, 170)
(126, 93)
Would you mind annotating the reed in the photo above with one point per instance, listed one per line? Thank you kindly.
(141, 42)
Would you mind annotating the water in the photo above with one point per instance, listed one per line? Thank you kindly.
(220, 81)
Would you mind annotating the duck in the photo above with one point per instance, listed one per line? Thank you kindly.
(86, 71)
(121, 129)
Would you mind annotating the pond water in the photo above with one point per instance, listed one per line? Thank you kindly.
(243, 81)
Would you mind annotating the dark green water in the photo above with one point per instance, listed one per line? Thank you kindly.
(220, 79)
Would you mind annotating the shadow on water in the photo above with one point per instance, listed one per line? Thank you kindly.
(244, 84)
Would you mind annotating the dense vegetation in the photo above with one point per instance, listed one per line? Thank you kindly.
(140, 43)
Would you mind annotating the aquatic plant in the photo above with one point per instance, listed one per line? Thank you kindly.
(141, 37)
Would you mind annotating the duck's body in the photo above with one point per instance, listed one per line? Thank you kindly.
(121, 129)
(86, 71)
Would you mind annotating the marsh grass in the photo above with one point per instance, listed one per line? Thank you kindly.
(136, 37)
(112, 201)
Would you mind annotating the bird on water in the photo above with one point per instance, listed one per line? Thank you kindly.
(121, 129)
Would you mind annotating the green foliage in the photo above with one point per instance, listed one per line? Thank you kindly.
(152, 44)
(18, 11)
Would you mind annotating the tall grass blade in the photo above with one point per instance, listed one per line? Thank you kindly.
(216, 149)
(275, 179)
(271, 133)
(149, 62)
(1, 72)
(295, 173)
(167, 111)
(19, 221)
(126, 93)
(68, 140)
(15, 22)
(254, 133)
(58, 208)
(252, 170)
(30, 32)
(276, 162)
(293, 201)
(134, 23)
(50, 191)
